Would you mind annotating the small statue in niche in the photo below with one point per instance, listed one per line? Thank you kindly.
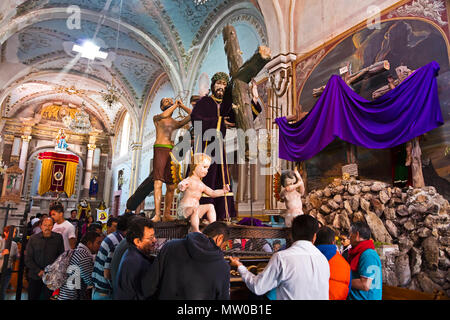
(61, 144)
(84, 210)
(93, 187)
(291, 180)
(120, 180)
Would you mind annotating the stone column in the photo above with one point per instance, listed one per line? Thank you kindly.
(136, 149)
(88, 170)
(23, 158)
(281, 103)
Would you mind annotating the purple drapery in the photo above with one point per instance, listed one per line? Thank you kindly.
(407, 111)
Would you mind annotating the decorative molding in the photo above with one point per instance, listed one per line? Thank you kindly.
(429, 9)
(26, 138)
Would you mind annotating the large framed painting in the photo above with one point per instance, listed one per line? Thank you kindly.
(410, 34)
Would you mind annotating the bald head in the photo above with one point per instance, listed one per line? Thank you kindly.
(47, 226)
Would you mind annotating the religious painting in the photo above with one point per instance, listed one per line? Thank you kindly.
(405, 42)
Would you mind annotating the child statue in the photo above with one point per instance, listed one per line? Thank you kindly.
(61, 144)
(192, 189)
(290, 181)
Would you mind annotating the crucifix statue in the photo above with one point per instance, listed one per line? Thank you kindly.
(412, 149)
(351, 79)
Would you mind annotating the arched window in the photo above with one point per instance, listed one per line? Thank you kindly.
(125, 138)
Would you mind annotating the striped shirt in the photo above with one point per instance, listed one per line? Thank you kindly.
(103, 260)
(79, 274)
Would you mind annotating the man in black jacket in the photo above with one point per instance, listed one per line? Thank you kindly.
(42, 250)
(193, 268)
(133, 272)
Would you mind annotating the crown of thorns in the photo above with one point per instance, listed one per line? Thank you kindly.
(220, 76)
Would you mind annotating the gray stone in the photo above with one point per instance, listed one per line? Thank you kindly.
(315, 201)
(445, 241)
(324, 210)
(348, 207)
(424, 232)
(426, 283)
(438, 277)
(403, 270)
(383, 197)
(415, 261)
(327, 192)
(377, 186)
(409, 225)
(431, 253)
(355, 203)
(321, 218)
(368, 196)
(354, 189)
(339, 189)
(358, 216)
(404, 244)
(365, 205)
(389, 213)
(365, 189)
(378, 207)
(379, 232)
(344, 220)
(330, 218)
(332, 204)
(391, 228)
(402, 211)
(337, 198)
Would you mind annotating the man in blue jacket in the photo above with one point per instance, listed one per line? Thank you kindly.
(133, 273)
(193, 268)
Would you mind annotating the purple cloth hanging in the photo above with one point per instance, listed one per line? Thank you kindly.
(407, 111)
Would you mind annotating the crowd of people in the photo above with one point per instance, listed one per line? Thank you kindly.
(122, 263)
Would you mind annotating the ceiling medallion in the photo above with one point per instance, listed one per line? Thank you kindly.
(80, 123)
(199, 2)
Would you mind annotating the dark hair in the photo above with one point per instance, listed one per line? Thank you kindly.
(111, 220)
(304, 227)
(123, 221)
(90, 236)
(94, 226)
(73, 211)
(137, 227)
(217, 228)
(56, 206)
(276, 242)
(287, 174)
(362, 228)
(39, 215)
(194, 98)
(325, 235)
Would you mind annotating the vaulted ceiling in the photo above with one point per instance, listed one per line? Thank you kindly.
(143, 38)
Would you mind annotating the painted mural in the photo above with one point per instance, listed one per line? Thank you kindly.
(410, 41)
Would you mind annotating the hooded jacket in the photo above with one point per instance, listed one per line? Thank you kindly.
(340, 275)
(193, 268)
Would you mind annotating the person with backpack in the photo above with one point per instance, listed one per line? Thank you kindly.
(42, 250)
(81, 265)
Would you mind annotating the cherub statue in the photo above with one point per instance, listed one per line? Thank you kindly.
(290, 181)
(193, 188)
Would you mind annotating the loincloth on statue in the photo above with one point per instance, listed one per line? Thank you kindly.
(162, 163)
(181, 211)
(289, 217)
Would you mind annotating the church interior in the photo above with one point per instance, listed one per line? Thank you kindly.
(81, 82)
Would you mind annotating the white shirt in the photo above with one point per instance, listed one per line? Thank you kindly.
(67, 230)
(300, 272)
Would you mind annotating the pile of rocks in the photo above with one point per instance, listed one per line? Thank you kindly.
(416, 220)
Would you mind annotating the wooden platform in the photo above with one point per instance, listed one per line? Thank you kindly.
(179, 229)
